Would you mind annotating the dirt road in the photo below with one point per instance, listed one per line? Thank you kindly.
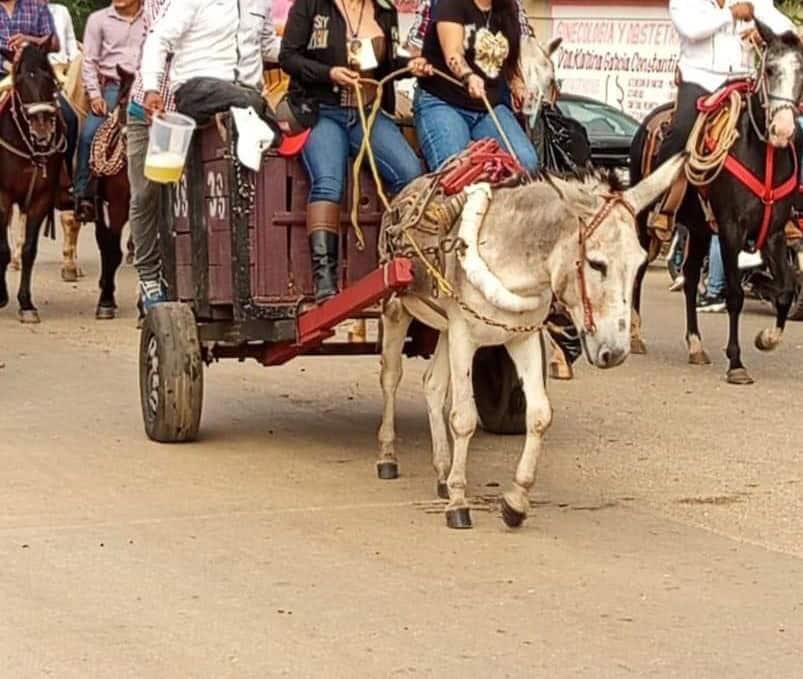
(667, 538)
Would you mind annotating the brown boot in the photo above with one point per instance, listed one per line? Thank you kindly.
(323, 228)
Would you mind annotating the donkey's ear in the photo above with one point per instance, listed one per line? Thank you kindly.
(649, 189)
(766, 33)
(552, 45)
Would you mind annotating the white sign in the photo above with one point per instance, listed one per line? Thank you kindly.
(624, 55)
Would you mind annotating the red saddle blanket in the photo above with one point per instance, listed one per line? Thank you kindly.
(482, 161)
(716, 100)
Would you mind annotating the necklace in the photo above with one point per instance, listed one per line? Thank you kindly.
(354, 31)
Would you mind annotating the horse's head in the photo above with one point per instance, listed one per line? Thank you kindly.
(538, 72)
(36, 90)
(782, 79)
(597, 286)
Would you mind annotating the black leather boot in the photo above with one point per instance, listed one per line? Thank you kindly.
(323, 225)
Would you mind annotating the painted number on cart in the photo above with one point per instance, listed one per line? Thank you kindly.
(217, 202)
(181, 208)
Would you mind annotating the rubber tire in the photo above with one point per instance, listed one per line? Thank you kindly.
(501, 404)
(170, 329)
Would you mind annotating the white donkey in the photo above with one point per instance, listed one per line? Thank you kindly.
(521, 245)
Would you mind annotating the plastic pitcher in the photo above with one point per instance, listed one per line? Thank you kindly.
(168, 143)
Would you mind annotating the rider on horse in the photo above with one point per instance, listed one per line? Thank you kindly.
(715, 48)
(113, 38)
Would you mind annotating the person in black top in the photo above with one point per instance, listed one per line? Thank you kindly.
(478, 42)
(328, 45)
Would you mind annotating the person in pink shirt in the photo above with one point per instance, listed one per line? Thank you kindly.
(113, 38)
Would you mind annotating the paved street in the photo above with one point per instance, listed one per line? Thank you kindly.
(666, 538)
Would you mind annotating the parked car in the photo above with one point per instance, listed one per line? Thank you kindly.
(610, 130)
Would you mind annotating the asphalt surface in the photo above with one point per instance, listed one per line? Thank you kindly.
(666, 538)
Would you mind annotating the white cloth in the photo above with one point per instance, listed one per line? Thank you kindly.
(223, 39)
(68, 45)
(253, 136)
(711, 47)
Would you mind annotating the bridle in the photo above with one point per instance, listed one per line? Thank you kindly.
(585, 232)
(761, 88)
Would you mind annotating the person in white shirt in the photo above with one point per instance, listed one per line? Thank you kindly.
(222, 39)
(68, 45)
(714, 49)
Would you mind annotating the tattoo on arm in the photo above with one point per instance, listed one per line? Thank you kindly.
(458, 65)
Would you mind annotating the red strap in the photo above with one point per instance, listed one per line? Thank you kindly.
(715, 101)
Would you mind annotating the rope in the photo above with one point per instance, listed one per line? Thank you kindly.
(108, 155)
(710, 141)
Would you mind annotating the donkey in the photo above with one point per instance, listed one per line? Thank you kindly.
(739, 212)
(521, 246)
(32, 145)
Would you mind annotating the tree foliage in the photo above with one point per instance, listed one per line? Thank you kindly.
(80, 10)
(793, 9)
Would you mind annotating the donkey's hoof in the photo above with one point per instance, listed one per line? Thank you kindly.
(637, 346)
(69, 274)
(560, 371)
(105, 312)
(699, 358)
(443, 490)
(739, 376)
(513, 518)
(459, 518)
(387, 470)
(29, 316)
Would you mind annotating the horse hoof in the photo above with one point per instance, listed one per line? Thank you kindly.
(443, 490)
(637, 346)
(387, 470)
(14, 265)
(560, 371)
(739, 376)
(105, 312)
(765, 341)
(29, 316)
(69, 275)
(513, 518)
(459, 518)
(129, 258)
(699, 358)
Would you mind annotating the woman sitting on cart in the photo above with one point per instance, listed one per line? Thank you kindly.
(478, 42)
(328, 45)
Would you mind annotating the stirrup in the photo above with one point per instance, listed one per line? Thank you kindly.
(661, 224)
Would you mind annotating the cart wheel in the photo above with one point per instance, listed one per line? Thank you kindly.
(497, 392)
(171, 376)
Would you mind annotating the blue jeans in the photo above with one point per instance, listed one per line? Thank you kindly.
(444, 130)
(91, 125)
(337, 136)
(716, 269)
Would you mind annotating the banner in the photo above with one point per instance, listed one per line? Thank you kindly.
(624, 55)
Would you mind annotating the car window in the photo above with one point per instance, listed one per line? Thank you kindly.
(598, 118)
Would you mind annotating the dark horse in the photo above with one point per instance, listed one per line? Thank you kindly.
(32, 146)
(110, 171)
(738, 210)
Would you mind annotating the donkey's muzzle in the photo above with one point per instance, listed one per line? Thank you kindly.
(608, 357)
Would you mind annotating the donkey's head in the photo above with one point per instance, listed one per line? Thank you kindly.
(538, 72)
(782, 79)
(35, 85)
(596, 283)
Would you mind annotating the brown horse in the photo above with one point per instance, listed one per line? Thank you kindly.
(32, 146)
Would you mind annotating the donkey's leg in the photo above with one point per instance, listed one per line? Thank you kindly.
(527, 355)
(436, 388)
(637, 344)
(395, 321)
(18, 237)
(730, 246)
(698, 248)
(776, 251)
(27, 311)
(111, 255)
(71, 227)
(462, 419)
(5, 251)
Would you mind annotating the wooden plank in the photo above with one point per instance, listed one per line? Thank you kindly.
(212, 145)
(183, 249)
(270, 252)
(184, 282)
(220, 248)
(198, 231)
(216, 178)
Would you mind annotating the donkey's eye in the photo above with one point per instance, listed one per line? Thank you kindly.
(600, 267)
(770, 71)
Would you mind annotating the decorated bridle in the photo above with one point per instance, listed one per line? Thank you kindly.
(585, 232)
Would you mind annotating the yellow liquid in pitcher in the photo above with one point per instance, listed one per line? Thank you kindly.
(164, 168)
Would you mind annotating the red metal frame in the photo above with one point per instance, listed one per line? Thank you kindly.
(317, 324)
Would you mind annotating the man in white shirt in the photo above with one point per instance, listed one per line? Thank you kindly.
(222, 39)
(68, 45)
(713, 51)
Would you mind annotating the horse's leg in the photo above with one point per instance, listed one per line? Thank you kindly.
(527, 357)
(395, 321)
(698, 248)
(637, 344)
(17, 237)
(27, 311)
(436, 389)
(462, 419)
(129, 255)
(108, 240)
(5, 251)
(71, 227)
(769, 338)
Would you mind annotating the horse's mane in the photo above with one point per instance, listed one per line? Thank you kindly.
(34, 57)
